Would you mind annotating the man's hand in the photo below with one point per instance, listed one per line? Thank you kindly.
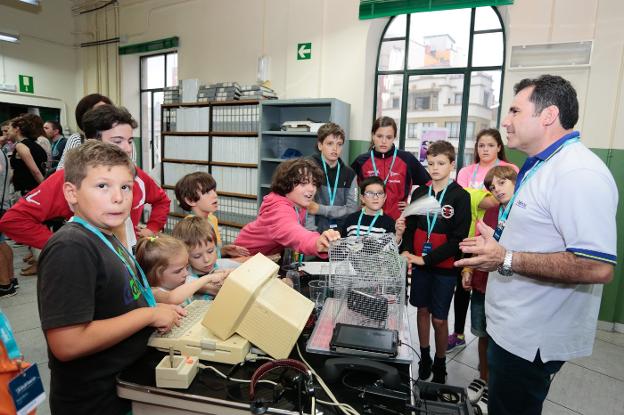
(399, 227)
(487, 253)
(313, 208)
(412, 260)
(322, 242)
(234, 251)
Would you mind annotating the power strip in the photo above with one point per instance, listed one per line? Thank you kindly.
(176, 372)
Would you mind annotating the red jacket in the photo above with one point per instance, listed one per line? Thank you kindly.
(278, 226)
(406, 172)
(24, 222)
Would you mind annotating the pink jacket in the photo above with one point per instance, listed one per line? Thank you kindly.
(278, 226)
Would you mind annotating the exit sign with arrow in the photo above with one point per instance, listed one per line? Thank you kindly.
(304, 51)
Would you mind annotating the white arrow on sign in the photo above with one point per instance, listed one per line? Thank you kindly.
(303, 51)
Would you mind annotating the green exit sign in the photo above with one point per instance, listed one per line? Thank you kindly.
(26, 84)
(304, 51)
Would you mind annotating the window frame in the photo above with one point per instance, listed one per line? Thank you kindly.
(466, 72)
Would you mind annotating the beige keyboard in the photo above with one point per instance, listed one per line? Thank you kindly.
(191, 338)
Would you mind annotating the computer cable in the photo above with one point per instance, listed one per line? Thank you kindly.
(227, 377)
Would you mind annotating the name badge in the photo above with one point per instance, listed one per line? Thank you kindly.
(426, 248)
(498, 232)
(27, 390)
(332, 224)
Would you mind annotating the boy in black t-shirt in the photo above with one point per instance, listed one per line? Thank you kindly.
(371, 220)
(93, 300)
(431, 245)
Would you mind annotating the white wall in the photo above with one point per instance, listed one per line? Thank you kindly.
(45, 52)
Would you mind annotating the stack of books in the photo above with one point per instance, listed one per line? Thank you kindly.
(221, 91)
(257, 92)
(171, 95)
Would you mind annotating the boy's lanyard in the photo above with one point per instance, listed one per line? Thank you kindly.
(504, 215)
(305, 217)
(7, 337)
(143, 285)
(473, 182)
(332, 195)
(377, 215)
(396, 150)
(431, 223)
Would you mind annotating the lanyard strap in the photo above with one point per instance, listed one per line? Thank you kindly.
(7, 337)
(377, 215)
(475, 171)
(431, 223)
(305, 217)
(332, 195)
(55, 145)
(503, 215)
(143, 285)
(396, 150)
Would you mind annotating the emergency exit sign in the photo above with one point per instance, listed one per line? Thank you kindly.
(26, 84)
(304, 51)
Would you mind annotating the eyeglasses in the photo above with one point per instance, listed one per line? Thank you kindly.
(371, 195)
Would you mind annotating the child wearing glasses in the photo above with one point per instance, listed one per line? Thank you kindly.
(371, 220)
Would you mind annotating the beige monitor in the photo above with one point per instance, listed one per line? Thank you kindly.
(256, 305)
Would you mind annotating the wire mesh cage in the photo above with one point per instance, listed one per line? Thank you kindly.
(367, 282)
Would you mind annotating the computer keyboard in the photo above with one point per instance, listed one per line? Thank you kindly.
(191, 338)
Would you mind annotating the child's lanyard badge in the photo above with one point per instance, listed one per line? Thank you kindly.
(143, 285)
(427, 246)
(396, 150)
(332, 194)
(377, 215)
(474, 184)
(503, 215)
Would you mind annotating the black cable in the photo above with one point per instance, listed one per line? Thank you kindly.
(410, 346)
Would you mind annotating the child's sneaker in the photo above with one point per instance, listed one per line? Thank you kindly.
(475, 390)
(424, 367)
(7, 291)
(439, 372)
(15, 282)
(456, 341)
(483, 402)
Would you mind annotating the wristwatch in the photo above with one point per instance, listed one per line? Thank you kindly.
(504, 269)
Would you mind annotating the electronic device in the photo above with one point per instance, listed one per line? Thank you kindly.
(303, 126)
(191, 338)
(372, 306)
(259, 307)
(334, 368)
(364, 341)
(176, 372)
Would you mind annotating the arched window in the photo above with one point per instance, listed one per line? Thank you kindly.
(446, 83)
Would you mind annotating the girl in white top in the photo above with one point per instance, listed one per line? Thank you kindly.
(164, 260)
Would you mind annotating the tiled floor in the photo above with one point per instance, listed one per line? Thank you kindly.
(592, 385)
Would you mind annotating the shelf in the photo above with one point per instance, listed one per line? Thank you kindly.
(265, 185)
(182, 133)
(273, 159)
(290, 133)
(220, 193)
(211, 163)
(211, 103)
(214, 133)
(178, 161)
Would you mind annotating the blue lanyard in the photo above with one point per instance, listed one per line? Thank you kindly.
(144, 287)
(377, 215)
(396, 150)
(474, 175)
(504, 214)
(6, 336)
(332, 195)
(431, 223)
(55, 145)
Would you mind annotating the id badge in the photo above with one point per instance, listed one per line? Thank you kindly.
(27, 390)
(498, 232)
(332, 224)
(426, 248)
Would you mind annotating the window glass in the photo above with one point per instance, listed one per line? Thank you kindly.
(397, 27)
(392, 55)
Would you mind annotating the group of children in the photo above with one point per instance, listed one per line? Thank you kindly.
(112, 299)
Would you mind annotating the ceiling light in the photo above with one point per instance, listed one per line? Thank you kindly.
(9, 37)
(33, 2)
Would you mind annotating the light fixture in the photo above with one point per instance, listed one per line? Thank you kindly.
(9, 37)
(33, 2)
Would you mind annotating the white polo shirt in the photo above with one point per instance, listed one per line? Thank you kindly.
(569, 204)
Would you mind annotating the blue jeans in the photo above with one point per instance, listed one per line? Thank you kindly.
(517, 386)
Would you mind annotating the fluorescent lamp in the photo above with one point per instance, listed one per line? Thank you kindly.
(33, 2)
(551, 55)
(9, 37)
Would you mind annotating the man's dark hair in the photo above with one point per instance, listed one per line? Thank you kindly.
(371, 180)
(87, 103)
(553, 90)
(55, 125)
(291, 173)
(104, 118)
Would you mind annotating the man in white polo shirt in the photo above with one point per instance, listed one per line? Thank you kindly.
(550, 254)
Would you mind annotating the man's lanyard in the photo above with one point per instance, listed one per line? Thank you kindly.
(332, 195)
(431, 223)
(473, 182)
(377, 215)
(144, 285)
(503, 215)
(55, 145)
(396, 150)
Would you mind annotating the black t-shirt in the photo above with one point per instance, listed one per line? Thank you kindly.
(82, 280)
(23, 180)
(383, 224)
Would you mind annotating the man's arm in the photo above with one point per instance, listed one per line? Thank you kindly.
(558, 267)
